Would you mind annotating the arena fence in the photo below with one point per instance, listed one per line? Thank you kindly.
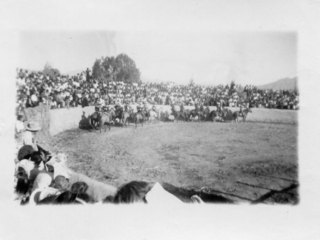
(54, 121)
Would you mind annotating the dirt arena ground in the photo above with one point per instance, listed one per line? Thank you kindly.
(255, 161)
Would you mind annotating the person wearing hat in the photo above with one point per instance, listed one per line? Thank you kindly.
(29, 135)
(139, 108)
(19, 124)
(97, 108)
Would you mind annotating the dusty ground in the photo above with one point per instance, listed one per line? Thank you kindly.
(249, 161)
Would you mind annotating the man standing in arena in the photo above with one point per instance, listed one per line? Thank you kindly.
(29, 135)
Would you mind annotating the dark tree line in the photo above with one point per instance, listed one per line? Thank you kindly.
(120, 69)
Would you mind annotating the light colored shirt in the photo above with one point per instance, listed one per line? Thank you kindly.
(42, 180)
(28, 139)
(34, 98)
(19, 126)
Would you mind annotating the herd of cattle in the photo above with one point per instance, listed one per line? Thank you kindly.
(106, 116)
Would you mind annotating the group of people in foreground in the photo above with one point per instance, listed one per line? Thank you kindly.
(44, 178)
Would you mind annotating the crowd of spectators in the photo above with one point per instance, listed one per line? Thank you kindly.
(64, 91)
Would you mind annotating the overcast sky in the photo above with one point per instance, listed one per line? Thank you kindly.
(207, 57)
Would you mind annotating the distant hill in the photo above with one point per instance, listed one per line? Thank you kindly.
(282, 84)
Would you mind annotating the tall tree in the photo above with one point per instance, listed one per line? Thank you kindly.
(191, 82)
(97, 71)
(48, 70)
(126, 69)
(232, 88)
(120, 68)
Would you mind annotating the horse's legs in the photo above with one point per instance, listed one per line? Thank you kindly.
(91, 123)
(101, 126)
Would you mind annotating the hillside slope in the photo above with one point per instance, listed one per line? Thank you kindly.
(282, 84)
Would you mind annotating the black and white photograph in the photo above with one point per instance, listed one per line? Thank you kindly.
(144, 117)
(159, 119)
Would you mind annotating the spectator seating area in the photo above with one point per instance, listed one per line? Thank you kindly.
(64, 91)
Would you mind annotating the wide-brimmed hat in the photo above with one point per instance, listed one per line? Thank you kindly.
(33, 126)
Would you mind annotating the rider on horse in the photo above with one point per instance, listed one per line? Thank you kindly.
(201, 107)
(154, 108)
(97, 108)
(126, 108)
(105, 109)
(219, 109)
(196, 107)
(181, 108)
(139, 108)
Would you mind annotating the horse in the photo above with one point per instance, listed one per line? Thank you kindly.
(85, 122)
(226, 115)
(153, 115)
(59, 99)
(187, 114)
(244, 113)
(213, 116)
(236, 115)
(106, 118)
(138, 118)
(118, 114)
(94, 120)
(146, 115)
(194, 116)
(229, 116)
(206, 114)
(126, 116)
(178, 115)
(166, 117)
(202, 115)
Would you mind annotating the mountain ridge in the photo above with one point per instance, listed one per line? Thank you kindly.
(282, 84)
